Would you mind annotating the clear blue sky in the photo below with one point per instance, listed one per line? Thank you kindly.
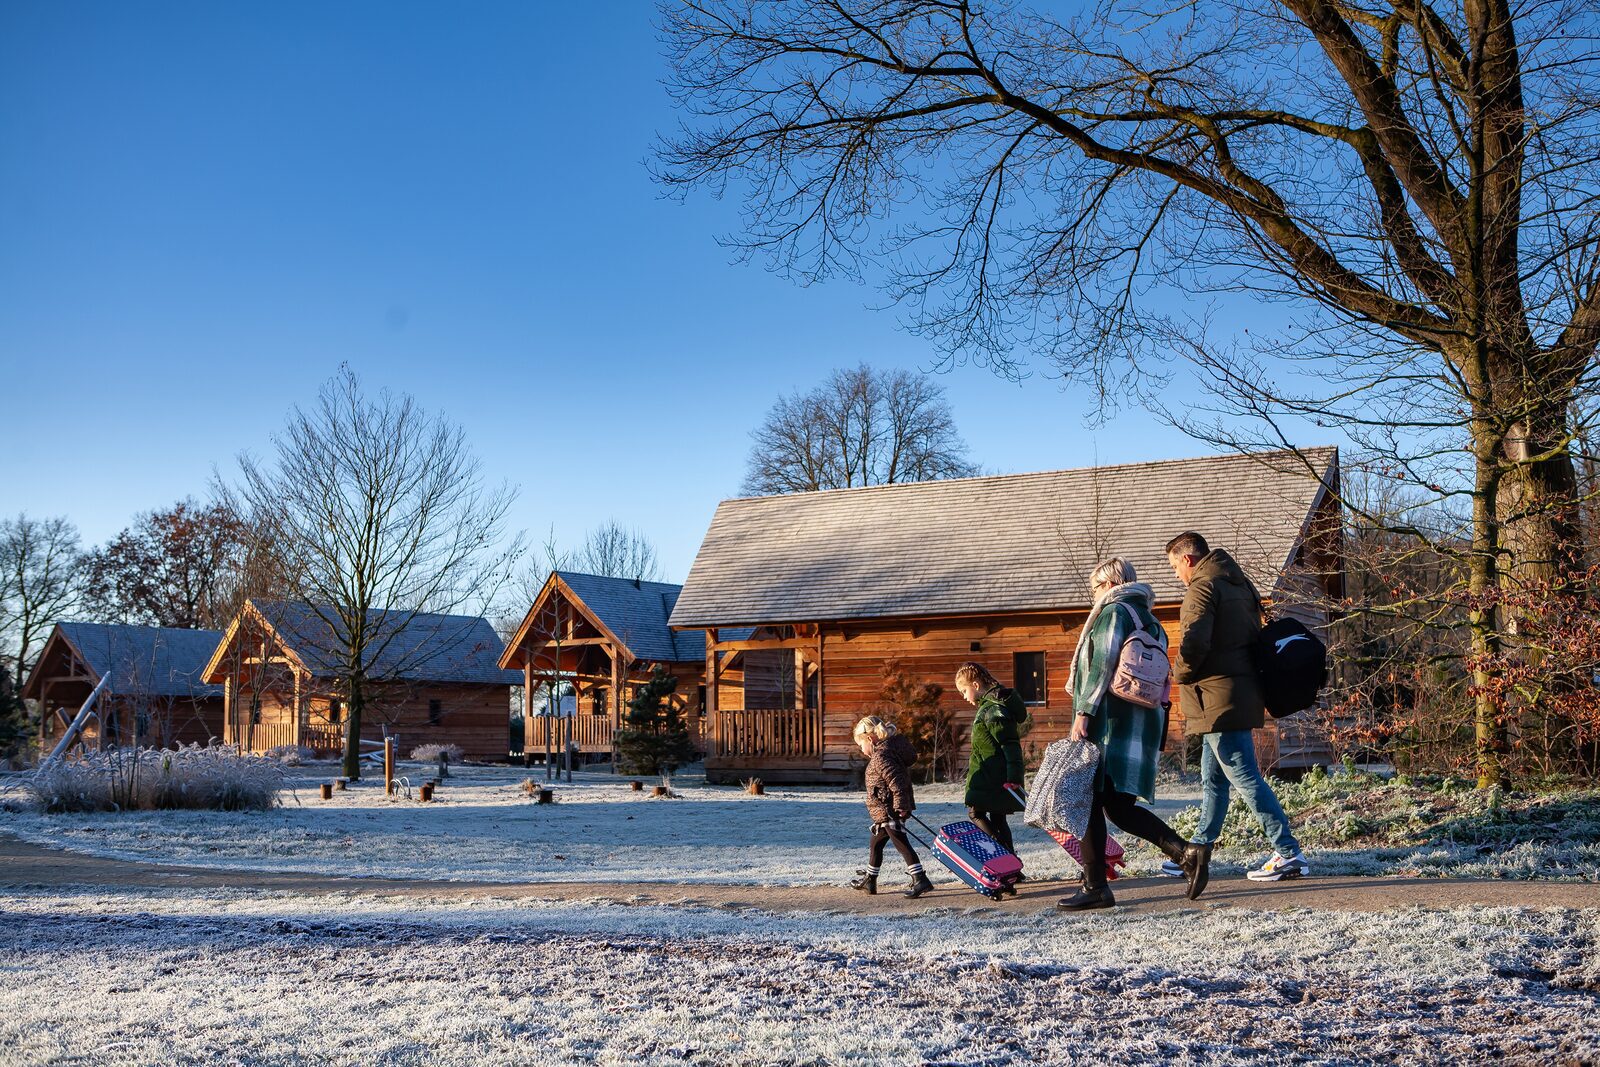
(206, 207)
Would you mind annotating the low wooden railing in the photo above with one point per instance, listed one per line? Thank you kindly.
(591, 733)
(324, 736)
(768, 733)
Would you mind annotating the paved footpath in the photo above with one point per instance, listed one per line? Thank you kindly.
(25, 866)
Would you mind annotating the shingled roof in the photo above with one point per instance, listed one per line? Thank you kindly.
(420, 647)
(156, 661)
(637, 614)
(1009, 543)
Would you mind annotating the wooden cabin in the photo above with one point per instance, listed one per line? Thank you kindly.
(826, 587)
(602, 636)
(433, 680)
(155, 694)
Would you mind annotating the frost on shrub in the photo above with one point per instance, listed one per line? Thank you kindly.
(291, 755)
(434, 753)
(148, 779)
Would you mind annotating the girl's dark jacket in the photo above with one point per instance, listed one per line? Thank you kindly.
(889, 779)
(996, 751)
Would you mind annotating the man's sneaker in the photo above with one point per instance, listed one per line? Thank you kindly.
(1170, 869)
(1279, 867)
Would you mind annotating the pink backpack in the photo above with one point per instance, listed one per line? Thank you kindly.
(1143, 676)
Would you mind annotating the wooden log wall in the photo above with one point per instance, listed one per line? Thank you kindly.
(933, 651)
(476, 717)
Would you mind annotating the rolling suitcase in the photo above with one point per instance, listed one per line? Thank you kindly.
(1115, 854)
(983, 864)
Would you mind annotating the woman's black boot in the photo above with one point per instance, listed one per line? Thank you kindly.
(919, 885)
(1087, 899)
(866, 882)
(1196, 863)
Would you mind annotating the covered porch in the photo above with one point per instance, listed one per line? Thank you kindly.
(764, 706)
(598, 638)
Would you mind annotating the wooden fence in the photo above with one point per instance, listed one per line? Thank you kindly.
(768, 733)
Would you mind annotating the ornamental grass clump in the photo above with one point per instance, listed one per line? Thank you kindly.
(291, 755)
(435, 753)
(148, 779)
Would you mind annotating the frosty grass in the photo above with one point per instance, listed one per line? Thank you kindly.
(482, 827)
(253, 977)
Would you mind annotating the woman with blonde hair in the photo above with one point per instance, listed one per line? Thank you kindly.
(889, 802)
(995, 769)
(1127, 732)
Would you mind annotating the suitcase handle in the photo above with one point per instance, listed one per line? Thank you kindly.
(1019, 796)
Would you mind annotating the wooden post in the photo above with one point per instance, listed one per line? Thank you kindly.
(527, 707)
(341, 784)
(299, 712)
(712, 735)
(616, 700)
(425, 794)
(636, 785)
(388, 766)
(820, 716)
(327, 790)
(227, 710)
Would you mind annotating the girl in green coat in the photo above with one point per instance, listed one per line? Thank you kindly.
(995, 768)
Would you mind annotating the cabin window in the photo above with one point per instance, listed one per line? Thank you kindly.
(435, 709)
(335, 710)
(1028, 671)
(700, 699)
(255, 714)
(599, 705)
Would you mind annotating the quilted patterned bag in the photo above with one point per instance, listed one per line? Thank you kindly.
(1063, 790)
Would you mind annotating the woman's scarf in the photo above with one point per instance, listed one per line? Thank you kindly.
(1116, 594)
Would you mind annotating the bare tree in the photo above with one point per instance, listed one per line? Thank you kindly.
(377, 513)
(1419, 179)
(40, 581)
(860, 427)
(174, 567)
(616, 551)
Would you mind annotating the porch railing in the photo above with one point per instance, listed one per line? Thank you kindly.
(591, 733)
(767, 733)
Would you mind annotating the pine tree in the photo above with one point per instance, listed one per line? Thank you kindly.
(654, 739)
(14, 727)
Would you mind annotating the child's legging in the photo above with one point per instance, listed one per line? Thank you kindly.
(994, 824)
(882, 834)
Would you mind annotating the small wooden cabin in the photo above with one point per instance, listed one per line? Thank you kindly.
(602, 636)
(994, 570)
(434, 681)
(155, 695)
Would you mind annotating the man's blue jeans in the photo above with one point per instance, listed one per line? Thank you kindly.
(1229, 758)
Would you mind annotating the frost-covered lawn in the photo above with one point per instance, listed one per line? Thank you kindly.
(250, 977)
(481, 826)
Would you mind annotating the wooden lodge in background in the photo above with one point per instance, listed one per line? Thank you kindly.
(804, 597)
(601, 636)
(154, 691)
(435, 681)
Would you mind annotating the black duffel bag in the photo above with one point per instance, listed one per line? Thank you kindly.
(1293, 665)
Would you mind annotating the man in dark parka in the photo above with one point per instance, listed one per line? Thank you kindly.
(1220, 694)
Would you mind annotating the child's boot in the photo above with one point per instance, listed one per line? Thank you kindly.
(866, 881)
(919, 883)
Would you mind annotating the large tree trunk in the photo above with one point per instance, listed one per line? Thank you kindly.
(352, 728)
